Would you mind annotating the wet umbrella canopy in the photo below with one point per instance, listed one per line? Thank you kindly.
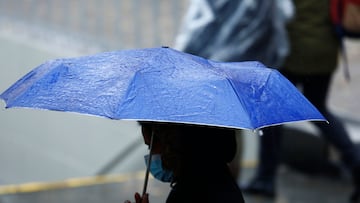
(162, 84)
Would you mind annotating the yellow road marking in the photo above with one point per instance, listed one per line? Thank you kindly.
(69, 183)
(82, 182)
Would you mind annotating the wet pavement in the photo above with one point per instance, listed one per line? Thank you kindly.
(293, 187)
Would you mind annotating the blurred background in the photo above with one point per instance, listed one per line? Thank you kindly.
(66, 157)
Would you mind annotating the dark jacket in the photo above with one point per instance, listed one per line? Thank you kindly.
(313, 42)
(205, 176)
(210, 185)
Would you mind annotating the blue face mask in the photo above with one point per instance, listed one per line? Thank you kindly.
(157, 170)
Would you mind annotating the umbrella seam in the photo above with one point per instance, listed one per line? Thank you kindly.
(272, 71)
(239, 98)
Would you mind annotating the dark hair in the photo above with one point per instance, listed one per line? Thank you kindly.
(192, 144)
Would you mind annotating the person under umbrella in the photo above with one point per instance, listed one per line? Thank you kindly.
(193, 158)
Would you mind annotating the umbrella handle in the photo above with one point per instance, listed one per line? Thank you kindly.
(148, 165)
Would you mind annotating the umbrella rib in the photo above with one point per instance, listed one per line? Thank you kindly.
(239, 98)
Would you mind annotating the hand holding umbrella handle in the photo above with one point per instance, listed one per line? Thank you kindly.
(144, 198)
(138, 199)
(148, 165)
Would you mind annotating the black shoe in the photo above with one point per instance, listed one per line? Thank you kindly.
(355, 196)
(261, 187)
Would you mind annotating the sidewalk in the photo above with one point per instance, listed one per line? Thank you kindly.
(293, 188)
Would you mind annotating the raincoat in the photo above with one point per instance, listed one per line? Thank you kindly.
(236, 30)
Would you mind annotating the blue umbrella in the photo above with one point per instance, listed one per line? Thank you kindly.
(164, 85)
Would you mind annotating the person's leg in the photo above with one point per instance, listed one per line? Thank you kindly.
(316, 90)
(263, 182)
(235, 164)
(270, 145)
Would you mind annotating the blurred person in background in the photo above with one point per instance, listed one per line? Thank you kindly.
(310, 65)
(236, 30)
